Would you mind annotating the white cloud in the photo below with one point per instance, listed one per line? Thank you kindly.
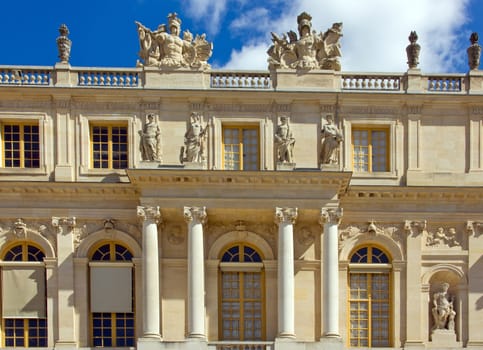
(210, 11)
(375, 32)
(252, 56)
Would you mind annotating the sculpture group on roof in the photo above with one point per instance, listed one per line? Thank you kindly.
(310, 50)
(165, 48)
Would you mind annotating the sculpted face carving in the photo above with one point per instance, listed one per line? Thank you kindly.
(311, 50)
(164, 49)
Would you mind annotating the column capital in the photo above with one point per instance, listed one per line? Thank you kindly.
(63, 221)
(285, 215)
(149, 213)
(330, 215)
(197, 214)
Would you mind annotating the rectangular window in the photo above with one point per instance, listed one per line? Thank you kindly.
(109, 147)
(370, 149)
(241, 148)
(21, 146)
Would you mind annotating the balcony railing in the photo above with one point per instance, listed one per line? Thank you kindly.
(140, 78)
(240, 80)
(109, 78)
(25, 75)
(240, 345)
(381, 82)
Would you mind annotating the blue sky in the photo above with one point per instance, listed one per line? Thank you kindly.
(375, 31)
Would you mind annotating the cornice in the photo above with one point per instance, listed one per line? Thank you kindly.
(67, 188)
(361, 193)
(150, 177)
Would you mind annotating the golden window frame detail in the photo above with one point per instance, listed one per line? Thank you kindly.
(112, 317)
(243, 163)
(22, 143)
(241, 274)
(24, 332)
(370, 148)
(110, 145)
(370, 306)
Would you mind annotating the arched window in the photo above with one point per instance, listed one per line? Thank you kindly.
(370, 298)
(242, 302)
(24, 314)
(112, 296)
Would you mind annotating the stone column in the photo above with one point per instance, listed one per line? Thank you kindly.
(330, 218)
(151, 302)
(195, 218)
(285, 218)
(65, 281)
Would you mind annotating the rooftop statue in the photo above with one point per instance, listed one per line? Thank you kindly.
(165, 48)
(310, 50)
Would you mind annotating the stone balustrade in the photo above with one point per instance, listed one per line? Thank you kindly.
(152, 78)
(243, 80)
(109, 78)
(446, 83)
(360, 81)
(25, 75)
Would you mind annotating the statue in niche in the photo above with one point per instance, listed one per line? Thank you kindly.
(443, 310)
(311, 50)
(331, 138)
(284, 141)
(165, 48)
(194, 140)
(150, 145)
(442, 239)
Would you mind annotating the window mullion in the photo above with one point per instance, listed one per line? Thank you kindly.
(109, 147)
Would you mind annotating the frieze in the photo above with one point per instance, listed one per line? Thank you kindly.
(264, 108)
(414, 109)
(150, 106)
(477, 110)
(442, 238)
(216, 229)
(372, 229)
(20, 230)
(369, 110)
(26, 104)
(327, 108)
(105, 106)
(59, 189)
(85, 228)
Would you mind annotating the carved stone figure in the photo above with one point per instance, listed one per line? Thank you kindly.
(150, 145)
(443, 310)
(413, 50)
(310, 50)
(442, 239)
(474, 52)
(331, 138)
(165, 48)
(64, 44)
(194, 140)
(284, 141)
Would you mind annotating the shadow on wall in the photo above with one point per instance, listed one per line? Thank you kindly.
(476, 287)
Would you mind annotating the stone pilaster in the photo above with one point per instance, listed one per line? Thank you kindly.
(151, 216)
(285, 218)
(65, 281)
(330, 219)
(195, 218)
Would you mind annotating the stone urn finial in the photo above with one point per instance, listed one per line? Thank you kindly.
(413, 50)
(474, 52)
(64, 44)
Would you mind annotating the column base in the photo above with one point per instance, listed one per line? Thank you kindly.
(65, 344)
(331, 342)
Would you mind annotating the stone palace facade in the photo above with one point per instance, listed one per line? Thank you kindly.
(176, 206)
